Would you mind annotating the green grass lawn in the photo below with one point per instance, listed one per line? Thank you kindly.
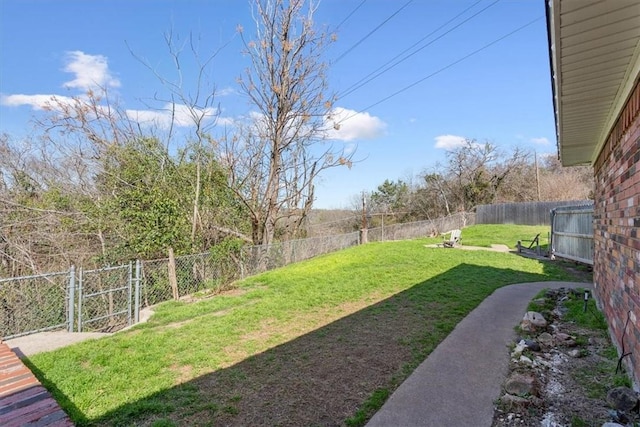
(319, 342)
(485, 235)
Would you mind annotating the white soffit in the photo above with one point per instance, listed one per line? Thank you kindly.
(595, 54)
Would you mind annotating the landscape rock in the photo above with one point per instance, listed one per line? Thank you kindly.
(532, 345)
(556, 398)
(525, 360)
(542, 362)
(545, 339)
(519, 348)
(553, 293)
(533, 321)
(521, 385)
(618, 416)
(622, 398)
(565, 339)
(575, 353)
(559, 312)
(512, 402)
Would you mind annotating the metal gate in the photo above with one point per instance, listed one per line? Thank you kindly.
(105, 299)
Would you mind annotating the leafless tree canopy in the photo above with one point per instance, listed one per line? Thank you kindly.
(481, 173)
(276, 157)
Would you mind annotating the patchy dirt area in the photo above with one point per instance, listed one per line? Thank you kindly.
(562, 373)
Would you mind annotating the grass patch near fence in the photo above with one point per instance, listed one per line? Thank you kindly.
(318, 342)
(485, 235)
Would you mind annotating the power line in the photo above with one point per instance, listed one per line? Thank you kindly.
(372, 31)
(349, 15)
(377, 71)
(475, 52)
(353, 86)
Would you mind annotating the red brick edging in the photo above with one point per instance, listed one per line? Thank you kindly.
(23, 400)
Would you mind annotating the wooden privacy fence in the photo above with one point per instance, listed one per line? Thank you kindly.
(572, 233)
(526, 213)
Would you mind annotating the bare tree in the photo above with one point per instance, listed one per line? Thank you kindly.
(479, 172)
(565, 183)
(276, 158)
(40, 227)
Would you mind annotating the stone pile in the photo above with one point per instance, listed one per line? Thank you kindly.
(537, 360)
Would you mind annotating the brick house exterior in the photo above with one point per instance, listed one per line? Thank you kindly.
(616, 273)
(595, 64)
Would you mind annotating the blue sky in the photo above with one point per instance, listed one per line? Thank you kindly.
(501, 94)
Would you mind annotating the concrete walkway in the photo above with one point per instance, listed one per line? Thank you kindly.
(29, 345)
(459, 382)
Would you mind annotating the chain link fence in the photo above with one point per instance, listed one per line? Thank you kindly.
(34, 304)
(110, 298)
(257, 259)
(414, 230)
(190, 274)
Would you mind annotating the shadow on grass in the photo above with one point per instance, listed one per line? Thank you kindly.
(65, 403)
(340, 373)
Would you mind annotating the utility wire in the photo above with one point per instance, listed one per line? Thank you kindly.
(475, 52)
(357, 85)
(377, 73)
(349, 15)
(371, 32)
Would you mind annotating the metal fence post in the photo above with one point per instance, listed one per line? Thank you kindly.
(130, 294)
(137, 293)
(72, 289)
(80, 300)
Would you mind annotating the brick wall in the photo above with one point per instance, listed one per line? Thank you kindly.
(617, 232)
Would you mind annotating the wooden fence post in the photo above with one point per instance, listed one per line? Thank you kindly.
(173, 279)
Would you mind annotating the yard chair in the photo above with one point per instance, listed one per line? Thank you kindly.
(453, 240)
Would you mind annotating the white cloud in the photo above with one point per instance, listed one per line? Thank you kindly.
(540, 141)
(225, 91)
(225, 121)
(449, 142)
(180, 114)
(91, 71)
(349, 125)
(37, 102)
